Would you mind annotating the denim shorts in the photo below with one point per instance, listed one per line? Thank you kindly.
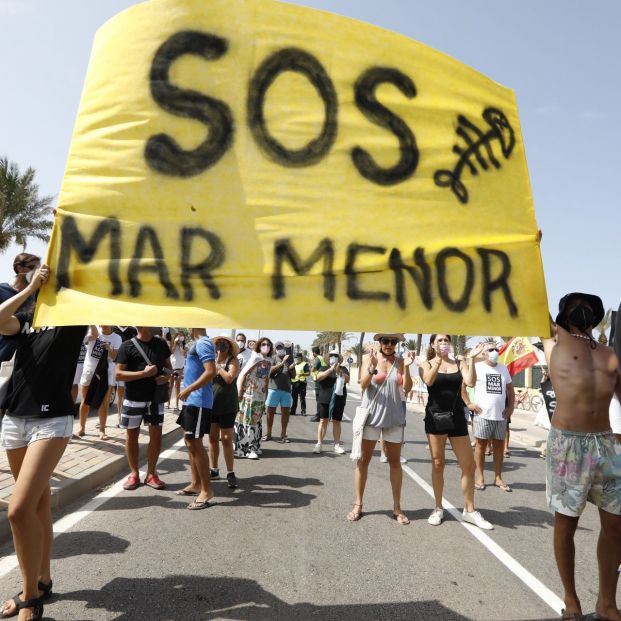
(18, 431)
(277, 398)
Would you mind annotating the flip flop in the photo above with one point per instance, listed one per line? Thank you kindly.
(571, 616)
(504, 488)
(284, 440)
(479, 487)
(185, 492)
(266, 438)
(401, 518)
(353, 515)
(197, 505)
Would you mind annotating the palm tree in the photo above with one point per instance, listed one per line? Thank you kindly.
(23, 213)
(358, 351)
(419, 343)
(327, 340)
(411, 344)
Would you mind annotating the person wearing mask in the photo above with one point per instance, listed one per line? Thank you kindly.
(318, 362)
(279, 393)
(445, 418)
(24, 266)
(252, 389)
(195, 416)
(178, 352)
(142, 374)
(225, 408)
(493, 389)
(36, 427)
(332, 380)
(384, 378)
(299, 372)
(101, 343)
(244, 352)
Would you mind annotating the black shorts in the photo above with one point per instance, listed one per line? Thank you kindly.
(460, 428)
(225, 420)
(194, 421)
(323, 409)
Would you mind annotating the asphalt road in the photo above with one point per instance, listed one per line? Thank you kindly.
(279, 547)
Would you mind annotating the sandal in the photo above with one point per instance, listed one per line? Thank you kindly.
(504, 487)
(186, 492)
(285, 440)
(36, 604)
(266, 438)
(479, 486)
(353, 515)
(507, 453)
(46, 593)
(400, 518)
(571, 616)
(197, 505)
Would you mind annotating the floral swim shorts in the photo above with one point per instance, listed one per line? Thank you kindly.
(583, 467)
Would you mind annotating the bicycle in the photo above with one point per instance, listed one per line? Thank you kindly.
(525, 401)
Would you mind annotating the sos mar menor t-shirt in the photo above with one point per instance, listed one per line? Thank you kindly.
(490, 391)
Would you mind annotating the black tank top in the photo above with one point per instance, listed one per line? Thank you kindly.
(225, 398)
(444, 393)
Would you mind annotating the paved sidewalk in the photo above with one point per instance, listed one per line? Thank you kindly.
(88, 463)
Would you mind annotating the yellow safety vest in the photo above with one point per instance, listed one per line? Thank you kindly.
(299, 373)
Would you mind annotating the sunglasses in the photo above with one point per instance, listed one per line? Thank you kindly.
(389, 341)
(493, 349)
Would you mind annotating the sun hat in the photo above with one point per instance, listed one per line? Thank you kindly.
(233, 346)
(594, 302)
(394, 335)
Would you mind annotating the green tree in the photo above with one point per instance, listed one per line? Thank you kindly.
(23, 213)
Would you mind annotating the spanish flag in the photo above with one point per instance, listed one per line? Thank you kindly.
(517, 354)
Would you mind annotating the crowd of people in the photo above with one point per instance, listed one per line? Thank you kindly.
(225, 388)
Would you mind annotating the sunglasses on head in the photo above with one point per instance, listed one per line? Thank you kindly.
(386, 341)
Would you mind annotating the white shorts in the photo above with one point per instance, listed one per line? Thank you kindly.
(87, 376)
(78, 373)
(18, 431)
(391, 434)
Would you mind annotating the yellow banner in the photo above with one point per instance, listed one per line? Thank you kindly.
(247, 162)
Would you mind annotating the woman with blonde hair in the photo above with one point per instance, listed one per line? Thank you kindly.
(384, 378)
(445, 418)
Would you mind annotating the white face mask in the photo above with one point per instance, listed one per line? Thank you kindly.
(492, 356)
(265, 349)
(280, 352)
(333, 359)
(28, 275)
(242, 345)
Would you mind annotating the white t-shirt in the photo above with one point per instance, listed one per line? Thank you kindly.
(95, 348)
(244, 356)
(490, 391)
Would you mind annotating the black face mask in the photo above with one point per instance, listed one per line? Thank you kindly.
(581, 317)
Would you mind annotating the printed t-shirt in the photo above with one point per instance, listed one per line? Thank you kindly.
(40, 385)
(95, 349)
(202, 351)
(490, 391)
(8, 344)
(156, 351)
(280, 380)
(326, 386)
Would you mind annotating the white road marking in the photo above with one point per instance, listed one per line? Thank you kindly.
(534, 584)
(9, 563)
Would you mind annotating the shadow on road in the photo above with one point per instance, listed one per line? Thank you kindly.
(87, 542)
(195, 597)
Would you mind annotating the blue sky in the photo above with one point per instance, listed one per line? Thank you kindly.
(560, 57)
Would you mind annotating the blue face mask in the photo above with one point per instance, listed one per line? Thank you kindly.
(492, 356)
(333, 359)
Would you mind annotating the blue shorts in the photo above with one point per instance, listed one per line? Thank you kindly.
(277, 398)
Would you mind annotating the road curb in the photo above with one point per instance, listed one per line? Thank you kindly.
(70, 490)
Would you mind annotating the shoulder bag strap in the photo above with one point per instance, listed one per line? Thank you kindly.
(379, 390)
(139, 348)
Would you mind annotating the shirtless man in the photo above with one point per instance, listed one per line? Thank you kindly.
(584, 458)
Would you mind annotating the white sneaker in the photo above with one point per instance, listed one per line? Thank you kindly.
(383, 459)
(252, 455)
(474, 517)
(338, 449)
(403, 460)
(435, 519)
(317, 448)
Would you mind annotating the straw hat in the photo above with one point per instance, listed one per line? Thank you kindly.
(233, 346)
(391, 335)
